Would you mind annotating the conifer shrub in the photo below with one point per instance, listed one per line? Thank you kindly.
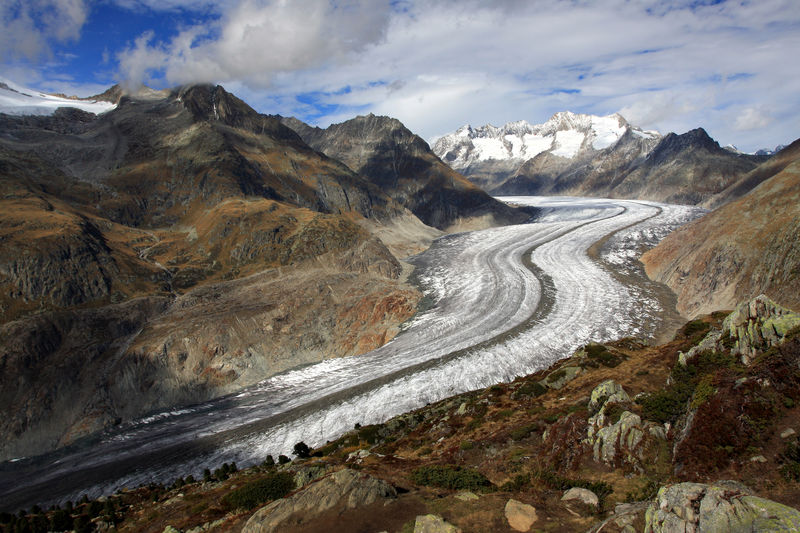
(451, 477)
(531, 388)
(599, 355)
(301, 450)
(274, 486)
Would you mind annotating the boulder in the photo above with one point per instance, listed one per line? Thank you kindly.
(307, 474)
(581, 495)
(558, 378)
(723, 506)
(344, 489)
(431, 523)
(520, 516)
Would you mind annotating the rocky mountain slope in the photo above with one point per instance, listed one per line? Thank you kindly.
(746, 247)
(179, 247)
(402, 165)
(585, 155)
(700, 433)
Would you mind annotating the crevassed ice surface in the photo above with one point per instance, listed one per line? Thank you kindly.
(481, 290)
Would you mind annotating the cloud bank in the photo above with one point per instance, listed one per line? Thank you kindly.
(31, 27)
(728, 65)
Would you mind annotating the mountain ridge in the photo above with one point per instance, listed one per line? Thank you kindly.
(402, 164)
(576, 154)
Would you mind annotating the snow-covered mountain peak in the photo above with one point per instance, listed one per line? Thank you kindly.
(565, 134)
(16, 100)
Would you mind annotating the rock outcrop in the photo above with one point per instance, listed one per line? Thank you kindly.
(752, 328)
(617, 436)
(431, 523)
(345, 489)
(722, 506)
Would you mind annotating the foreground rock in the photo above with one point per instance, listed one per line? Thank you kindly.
(617, 436)
(345, 489)
(723, 506)
(433, 524)
(520, 516)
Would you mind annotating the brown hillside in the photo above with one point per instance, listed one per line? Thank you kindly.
(745, 248)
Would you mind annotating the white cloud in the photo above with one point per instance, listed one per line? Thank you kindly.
(31, 27)
(752, 118)
(259, 38)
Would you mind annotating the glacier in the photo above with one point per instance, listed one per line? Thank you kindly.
(508, 301)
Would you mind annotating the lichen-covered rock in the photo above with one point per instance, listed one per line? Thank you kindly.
(625, 440)
(307, 474)
(520, 516)
(724, 506)
(757, 325)
(345, 489)
(431, 523)
(753, 327)
(608, 391)
(558, 378)
(710, 342)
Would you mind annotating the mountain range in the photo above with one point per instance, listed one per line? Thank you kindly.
(178, 246)
(586, 155)
(134, 242)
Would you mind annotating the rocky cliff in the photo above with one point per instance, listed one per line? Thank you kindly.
(403, 166)
(179, 247)
(744, 248)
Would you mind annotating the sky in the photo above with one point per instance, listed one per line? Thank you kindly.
(730, 67)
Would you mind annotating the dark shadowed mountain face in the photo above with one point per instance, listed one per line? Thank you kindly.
(176, 248)
(749, 246)
(402, 164)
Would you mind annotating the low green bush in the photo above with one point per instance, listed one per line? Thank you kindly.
(451, 477)
(531, 388)
(255, 493)
(597, 353)
(555, 481)
(523, 432)
(695, 328)
(369, 434)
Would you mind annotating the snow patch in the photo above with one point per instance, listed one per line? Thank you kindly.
(568, 143)
(16, 100)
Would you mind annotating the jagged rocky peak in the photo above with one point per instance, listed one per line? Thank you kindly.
(214, 103)
(565, 135)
